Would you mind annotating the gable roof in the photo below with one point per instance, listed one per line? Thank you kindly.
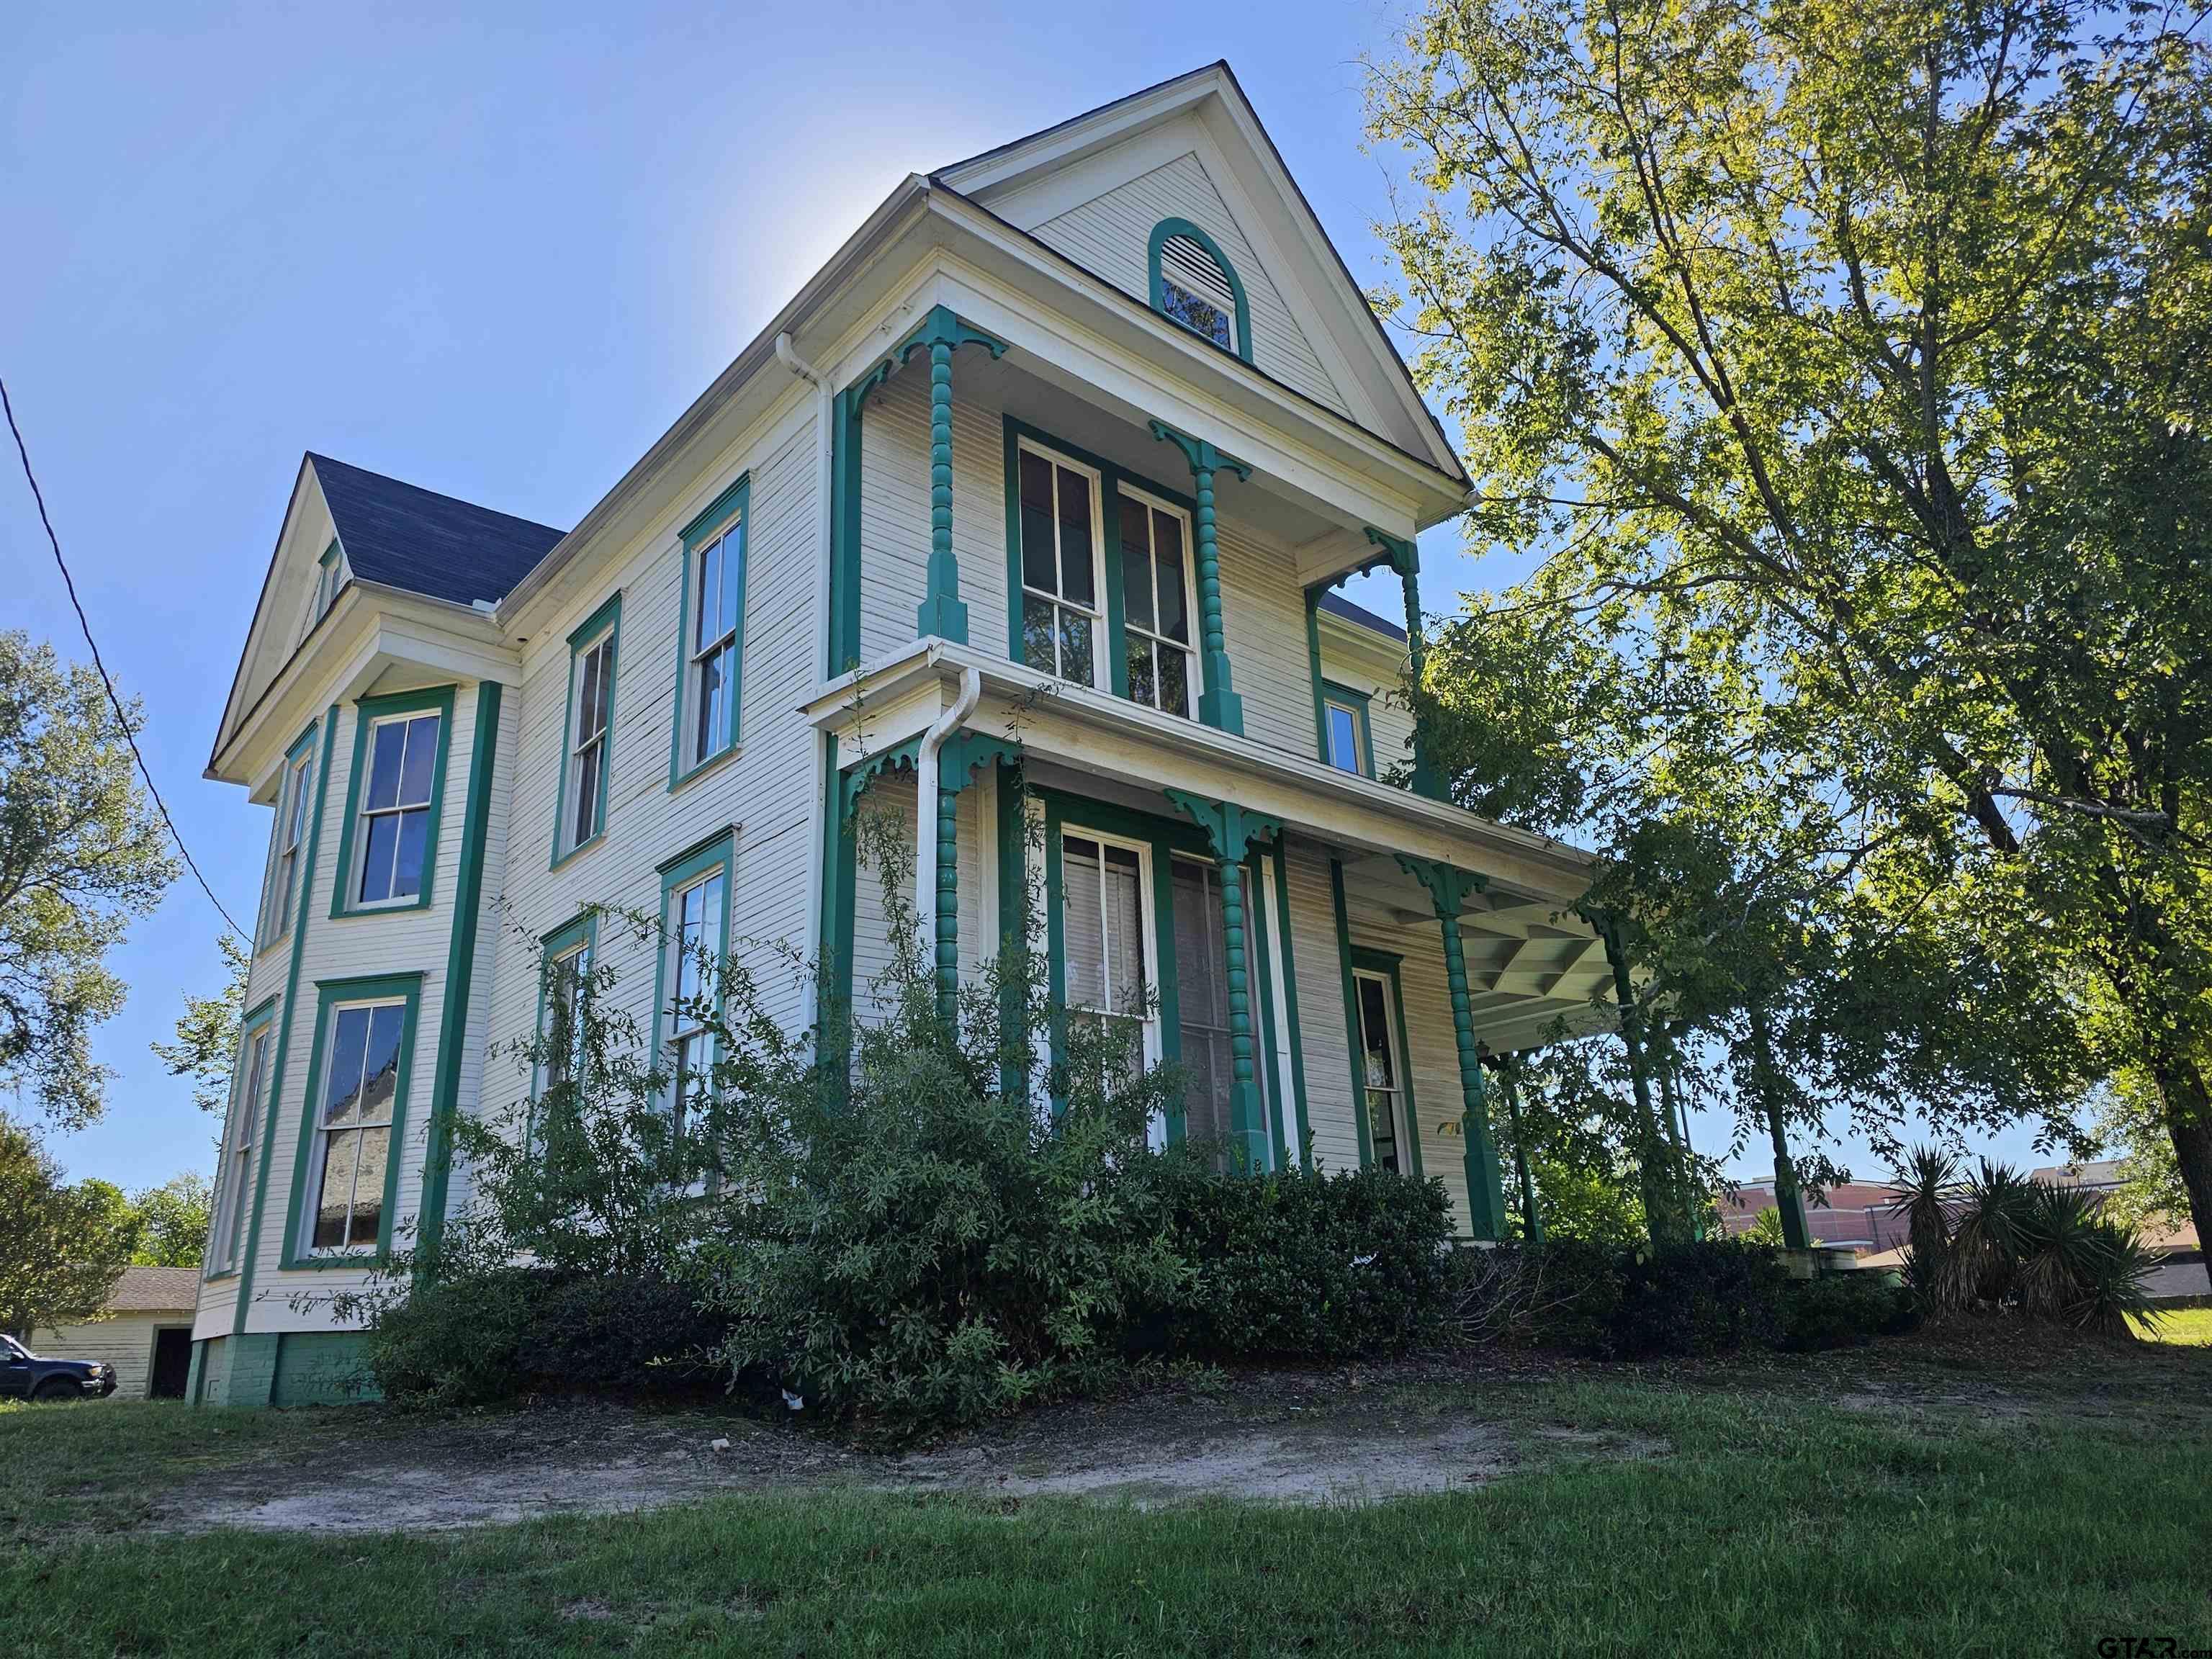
(985, 176)
(404, 536)
(154, 1290)
(1359, 616)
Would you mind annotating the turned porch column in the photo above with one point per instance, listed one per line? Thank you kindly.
(1449, 887)
(1218, 705)
(1229, 830)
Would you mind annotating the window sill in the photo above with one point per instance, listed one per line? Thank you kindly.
(218, 1275)
(561, 860)
(350, 913)
(356, 1259)
(713, 763)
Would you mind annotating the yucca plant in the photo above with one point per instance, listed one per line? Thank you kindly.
(2112, 1281)
(1929, 1183)
(2058, 1235)
(1990, 1239)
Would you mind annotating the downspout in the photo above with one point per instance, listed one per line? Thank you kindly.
(823, 416)
(926, 804)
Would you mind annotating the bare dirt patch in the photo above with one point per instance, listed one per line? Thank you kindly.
(1299, 1437)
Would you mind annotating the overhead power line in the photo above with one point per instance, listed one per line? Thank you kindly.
(122, 717)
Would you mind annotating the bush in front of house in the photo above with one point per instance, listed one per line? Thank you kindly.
(1307, 1266)
(1718, 1296)
(493, 1334)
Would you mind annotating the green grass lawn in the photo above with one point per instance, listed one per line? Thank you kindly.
(1836, 1516)
(2185, 1327)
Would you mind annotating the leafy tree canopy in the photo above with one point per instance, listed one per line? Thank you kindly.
(207, 1031)
(1846, 365)
(80, 855)
(61, 1247)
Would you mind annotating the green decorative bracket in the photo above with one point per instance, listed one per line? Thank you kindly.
(1401, 555)
(1229, 830)
(856, 778)
(1449, 888)
(1218, 705)
(941, 328)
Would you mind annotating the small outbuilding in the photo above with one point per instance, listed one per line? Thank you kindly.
(145, 1333)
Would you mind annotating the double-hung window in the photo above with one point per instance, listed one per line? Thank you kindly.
(1344, 716)
(359, 1092)
(1061, 558)
(1107, 926)
(225, 1236)
(695, 925)
(291, 837)
(390, 843)
(711, 648)
(1157, 603)
(567, 982)
(1382, 1065)
(330, 581)
(589, 748)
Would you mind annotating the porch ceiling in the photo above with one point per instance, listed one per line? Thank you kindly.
(1531, 962)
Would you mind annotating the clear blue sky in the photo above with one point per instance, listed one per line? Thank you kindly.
(494, 255)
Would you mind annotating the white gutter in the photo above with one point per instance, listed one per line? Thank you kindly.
(823, 783)
(924, 802)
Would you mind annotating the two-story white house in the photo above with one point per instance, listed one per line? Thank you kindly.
(1053, 466)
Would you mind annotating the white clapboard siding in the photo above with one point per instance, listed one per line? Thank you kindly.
(1111, 235)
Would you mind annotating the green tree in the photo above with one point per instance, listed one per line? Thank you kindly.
(80, 855)
(173, 1221)
(1857, 352)
(207, 1031)
(61, 1247)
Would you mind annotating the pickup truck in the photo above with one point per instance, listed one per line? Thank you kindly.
(25, 1376)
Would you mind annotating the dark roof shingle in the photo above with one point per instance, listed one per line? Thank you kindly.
(1337, 606)
(406, 537)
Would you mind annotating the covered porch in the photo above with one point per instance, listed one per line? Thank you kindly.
(1327, 957)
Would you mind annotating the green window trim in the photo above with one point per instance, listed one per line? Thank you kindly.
(330, 994)
(687, 868)
(368, 711)
(1169, 228)
(460, 974)
(732, 509)
(266, 942)
(285, 1020)
(1111, 477)
(582, 928)
(256, 1021)
(1384, 964)
(1304, 1150)
(603, 622)
(1356, 703)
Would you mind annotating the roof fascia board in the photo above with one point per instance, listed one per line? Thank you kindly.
(372, 627)
(255, 630)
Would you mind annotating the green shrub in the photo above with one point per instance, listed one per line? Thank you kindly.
(1299, 1266)
(1710, 1297)
(1836, 1310)
(492, 1334)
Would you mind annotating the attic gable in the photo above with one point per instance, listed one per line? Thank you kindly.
(1094, 188)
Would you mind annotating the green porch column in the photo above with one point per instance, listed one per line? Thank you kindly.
(941, 612)
(1218, 705)
(1405, 557)
(957, 759)
(1449, 887)
(1229, 830)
